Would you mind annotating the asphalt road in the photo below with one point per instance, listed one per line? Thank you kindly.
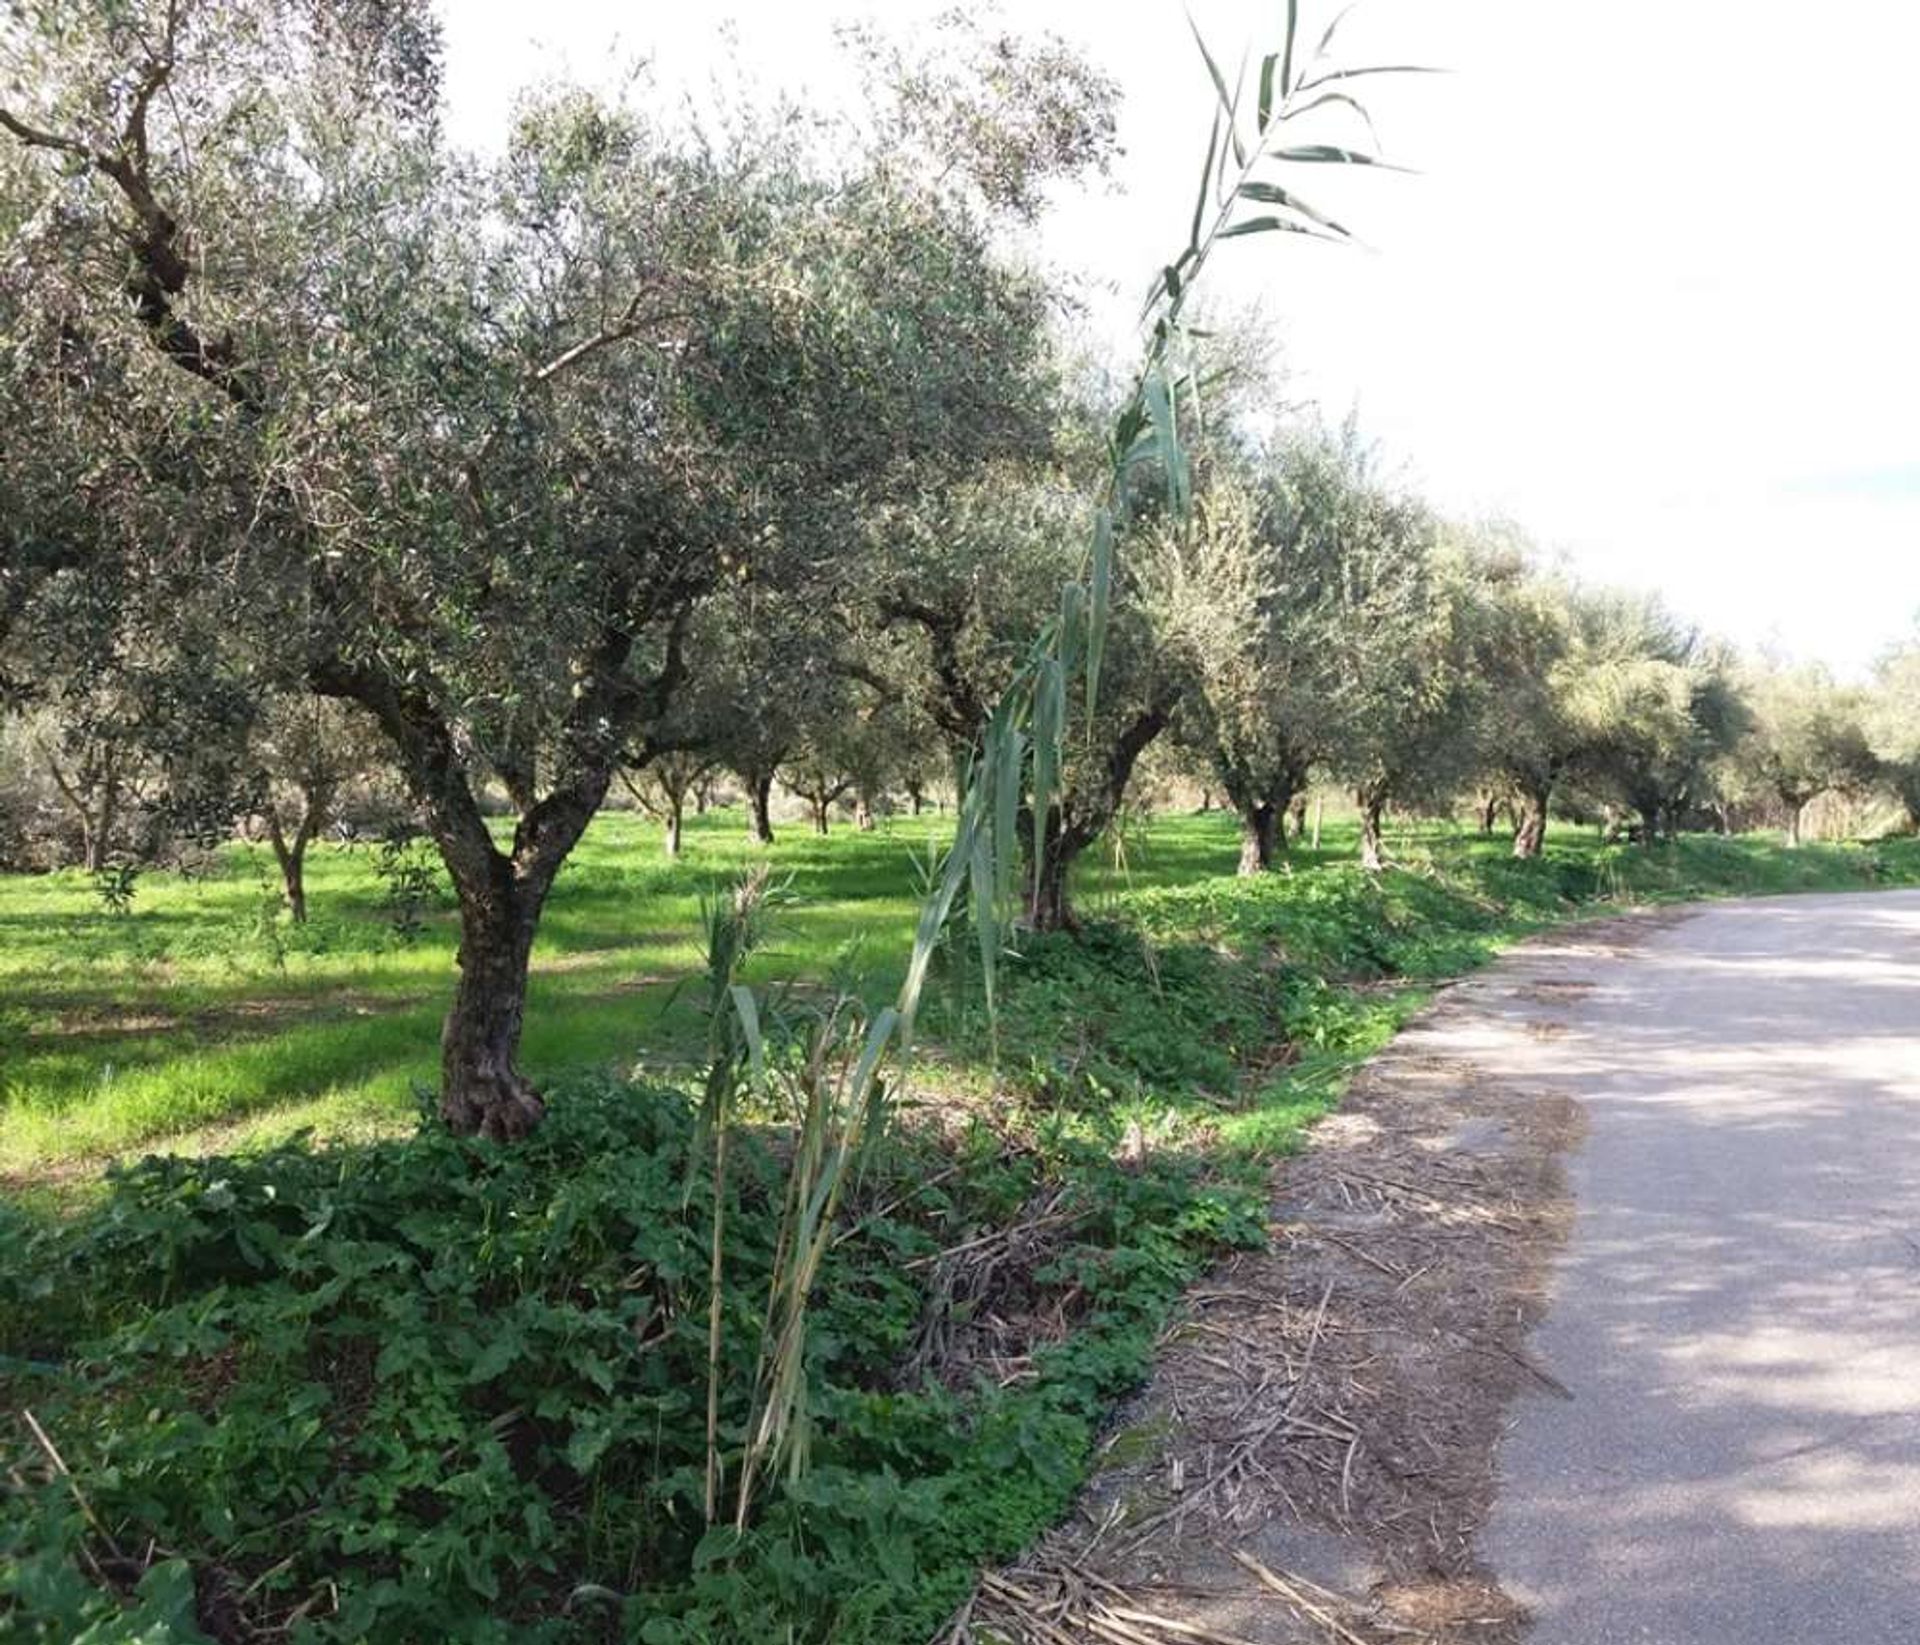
(1737, 1313)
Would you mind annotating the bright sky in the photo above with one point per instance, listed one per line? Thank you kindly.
(1653, 293)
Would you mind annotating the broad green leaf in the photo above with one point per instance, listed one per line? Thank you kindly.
(1274, 225)
(1005, 750)
(986, 917)
(878, 1037)
(1101, 603)
(1073, 622)
(1326, 39)
(1342, 99)
(1229, 101)
(1329, 154)
(1358, 74)
(747, 1009)
(1049, 699)
(1271, 194)
(1206, 185)
(1162, 405)
(934, 911)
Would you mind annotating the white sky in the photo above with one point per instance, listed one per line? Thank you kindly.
(1653, 293)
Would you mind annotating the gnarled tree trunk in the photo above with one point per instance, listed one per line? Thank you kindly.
(1049, 908)
(290, 851)
(483, 1093)
(1531, 836)
(1070, 830)
(759, 806)
(1796, 810)
(1258, 824)
(863, 813)
(1372, 852)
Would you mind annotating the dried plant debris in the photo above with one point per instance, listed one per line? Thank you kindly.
(1316, 1452)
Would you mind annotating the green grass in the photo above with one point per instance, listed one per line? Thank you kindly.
(199, 1009)
(203, 1017)
(401, 1386)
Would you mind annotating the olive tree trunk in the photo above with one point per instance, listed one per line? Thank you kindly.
(1049, 907)
(759, 806)
(501, 893)
(1530, 838)
(1796, 810)
(1258, 825)
(482, 1092)
(1372, 853)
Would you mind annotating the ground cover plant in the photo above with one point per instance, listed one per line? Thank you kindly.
(731, 448)
(408, 1383)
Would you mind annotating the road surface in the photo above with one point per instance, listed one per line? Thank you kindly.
(1737, 1314)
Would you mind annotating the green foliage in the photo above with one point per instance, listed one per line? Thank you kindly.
(463, 1384)
(454, 1383)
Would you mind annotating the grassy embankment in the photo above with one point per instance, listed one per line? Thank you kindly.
(402, 1387)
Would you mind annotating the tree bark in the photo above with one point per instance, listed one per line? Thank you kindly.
(482, 1092)
(1531, 836)
(292, 858)
(501, 893)
(676, 808)
(760, 807)
(96, 816)
(818, 804)
(1795, 809)
(1319, 805)
(291, 854)
(1372, 856)
(916, 799)
(1048, 906)
(1257, 826)
(1489, 812)
(863, 813)
(1297, 809)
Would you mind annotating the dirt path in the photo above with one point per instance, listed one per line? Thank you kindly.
(1713, 1435)
(1738, 1311)
(1314, 1459)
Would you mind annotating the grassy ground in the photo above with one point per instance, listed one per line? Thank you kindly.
(204, 1017)
(403, 1386)
(201, 1008)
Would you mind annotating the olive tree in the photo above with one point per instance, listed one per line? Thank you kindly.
(1400, 685)
(465, 445)
(1892, 725)
(957, 585)
(1803, 738)
(1247, 587)
(1663, 710)
(304, 753)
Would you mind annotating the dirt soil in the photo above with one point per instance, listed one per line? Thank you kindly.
(1315, 1454)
